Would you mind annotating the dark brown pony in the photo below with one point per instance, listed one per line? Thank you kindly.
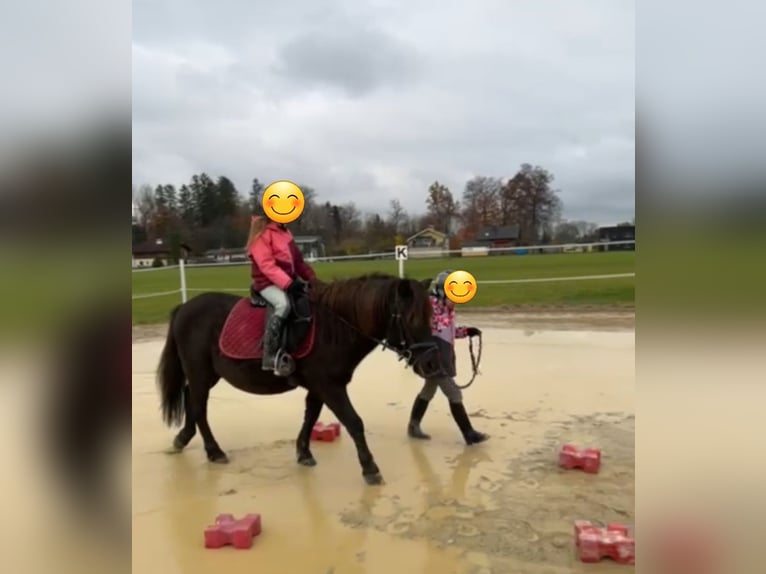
(352, 317)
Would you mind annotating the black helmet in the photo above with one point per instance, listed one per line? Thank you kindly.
(437, 287)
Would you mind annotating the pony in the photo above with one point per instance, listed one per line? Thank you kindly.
(347, 319)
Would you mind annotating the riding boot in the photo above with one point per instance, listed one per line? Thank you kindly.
(272, 341)
(418, 411)
(460, 415)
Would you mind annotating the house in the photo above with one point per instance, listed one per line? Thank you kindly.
(495, 236)
(223, 255)
(312, 247)
(623, 232)
(428, 243)
(144, 254)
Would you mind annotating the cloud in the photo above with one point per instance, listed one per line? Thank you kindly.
(357, 61)
(370, 102)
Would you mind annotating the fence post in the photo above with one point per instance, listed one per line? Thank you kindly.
(182, 269)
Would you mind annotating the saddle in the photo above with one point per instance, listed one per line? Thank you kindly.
(300, 310)
(243, 332)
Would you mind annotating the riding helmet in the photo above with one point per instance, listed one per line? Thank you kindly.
(437, 287)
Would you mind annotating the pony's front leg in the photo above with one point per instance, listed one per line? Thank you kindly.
(337, 399)
(310, 416)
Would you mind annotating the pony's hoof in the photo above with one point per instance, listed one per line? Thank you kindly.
(307, 460)
(218, 457)
(178, 445)
(373, 479)
(476, 438)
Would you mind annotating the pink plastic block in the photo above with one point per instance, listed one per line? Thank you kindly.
(588, 459)
(595, 542)
(228, 530)
(326, 433)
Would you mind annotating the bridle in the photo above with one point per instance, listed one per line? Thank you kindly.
(406, 351)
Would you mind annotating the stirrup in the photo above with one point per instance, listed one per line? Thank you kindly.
(284, 364)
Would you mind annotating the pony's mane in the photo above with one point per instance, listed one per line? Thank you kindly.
(363, 300)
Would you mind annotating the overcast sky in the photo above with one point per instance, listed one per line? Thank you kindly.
(370, 101)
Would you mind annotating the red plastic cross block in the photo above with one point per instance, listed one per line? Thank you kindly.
(239, 533)
(326, 433)
(588, 459)
(595, 542)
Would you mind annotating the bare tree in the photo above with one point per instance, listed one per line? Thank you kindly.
(146, 207)
(397, 216)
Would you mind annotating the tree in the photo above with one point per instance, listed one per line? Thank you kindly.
(171, 199)
(186, 206)
(255, 198)
(411, 225)
(380, 235)
(566, 232)
(442, 207)
(145, 206)
(529, 195)
(138, 234)
(310, 220)
(351, 218)
(227, 200)
(164, 214)
(481, 203)
(397, 216)
(587, 230)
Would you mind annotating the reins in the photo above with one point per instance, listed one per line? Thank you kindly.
(475, 360)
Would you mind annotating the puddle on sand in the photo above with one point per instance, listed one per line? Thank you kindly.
(495, 507)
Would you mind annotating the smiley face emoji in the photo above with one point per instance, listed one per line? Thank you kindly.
(460, 287)
(283, 201)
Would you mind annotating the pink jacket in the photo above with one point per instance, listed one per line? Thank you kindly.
(443, 322)
(276, 260)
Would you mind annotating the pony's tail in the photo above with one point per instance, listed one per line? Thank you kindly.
(171, 378)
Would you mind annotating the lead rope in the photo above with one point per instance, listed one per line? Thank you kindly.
(475, 360)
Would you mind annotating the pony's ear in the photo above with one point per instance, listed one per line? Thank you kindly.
(426, 283)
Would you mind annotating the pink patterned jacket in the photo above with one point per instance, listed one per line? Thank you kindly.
(443, 322)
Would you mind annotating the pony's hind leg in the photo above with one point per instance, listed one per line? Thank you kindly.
(189, 429)
(199, 391)
(311, 415)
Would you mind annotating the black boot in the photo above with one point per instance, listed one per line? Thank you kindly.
(272, 340)
(470, 435)
(418, 410)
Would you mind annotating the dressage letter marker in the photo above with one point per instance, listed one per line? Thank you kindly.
(400, 251)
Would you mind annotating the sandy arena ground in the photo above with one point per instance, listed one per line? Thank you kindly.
(499, 507)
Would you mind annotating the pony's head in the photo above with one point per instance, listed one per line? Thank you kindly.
(409, 311)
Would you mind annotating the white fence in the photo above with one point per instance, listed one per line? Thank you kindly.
(183, 290)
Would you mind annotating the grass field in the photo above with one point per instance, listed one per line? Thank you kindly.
(596, 292)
